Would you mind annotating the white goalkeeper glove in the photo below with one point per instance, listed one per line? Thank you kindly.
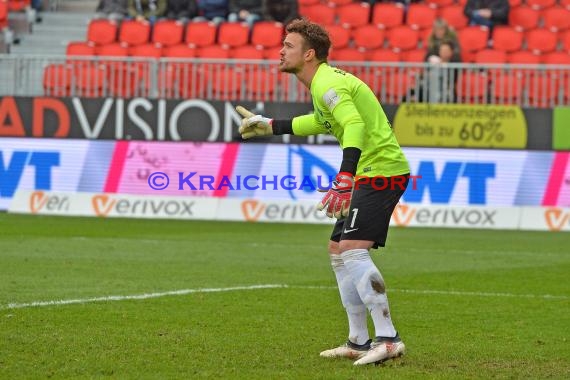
(254, 125)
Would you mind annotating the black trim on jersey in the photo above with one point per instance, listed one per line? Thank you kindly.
(350, 157)
(282, 127)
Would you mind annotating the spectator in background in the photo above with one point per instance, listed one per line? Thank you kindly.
(149, 10)
(487, 12)
(37, 6)
(440, 33)
(212, 10)
(181, 10)
(442, 78)
(283, 11)
(245, 10)
(114, 10)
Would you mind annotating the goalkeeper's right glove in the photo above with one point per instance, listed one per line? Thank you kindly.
(254, 125)
(337, 199)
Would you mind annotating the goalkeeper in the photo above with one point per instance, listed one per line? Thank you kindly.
(346, 107)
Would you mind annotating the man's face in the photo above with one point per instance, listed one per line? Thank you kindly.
(292, 54)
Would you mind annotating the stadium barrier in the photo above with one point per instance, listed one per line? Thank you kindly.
(279, 211)
(527, 85)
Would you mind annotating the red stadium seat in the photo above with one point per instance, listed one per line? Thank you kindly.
(173, 73)
(319, 13)
(143, 69)
(261, 84)
(348, 54)
(336, 3)
(556, 58)
(385, 55)
(57, 80)
(82, 53)
(556, 19)
(113, 50)
(339, 35)
(134, 32)
(507, 39)
(168, 32)
(233, 34)
(414, 56)
(507, 88)
(541, 41)
(440, 3)
(368, 37)
(540, 4)
(90, 81)
(472, 39)
(420, 16)
(267, 34)
(179, 51)
(18, 5)
(3, 14)
(566, 41)
(523, 58)
(388, 15)
(146, 50)
(200, 34)
(213, 52)
(227, 83)
(80, 49)
(472, 87)
(454, 16)
(523, 18)
(303, 3)
(490, 56)
(247, 52)
(354, 15)
(272, 53)
(543, 89)
(403, 38)
(102, 32)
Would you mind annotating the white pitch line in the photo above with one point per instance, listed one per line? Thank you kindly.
(256, 287)
(138, 296)
(448, 292)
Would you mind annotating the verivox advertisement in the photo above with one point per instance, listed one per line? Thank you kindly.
(280, 211)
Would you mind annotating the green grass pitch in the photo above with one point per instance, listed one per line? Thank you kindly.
(467, 303)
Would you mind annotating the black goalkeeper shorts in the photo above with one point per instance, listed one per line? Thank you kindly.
(370, 211)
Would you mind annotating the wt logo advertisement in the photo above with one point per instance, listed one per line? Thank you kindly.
(38, 164)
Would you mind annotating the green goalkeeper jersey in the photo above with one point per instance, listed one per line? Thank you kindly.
(346, 107)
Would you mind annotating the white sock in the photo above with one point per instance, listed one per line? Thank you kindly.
(355, 309)
(371, 288)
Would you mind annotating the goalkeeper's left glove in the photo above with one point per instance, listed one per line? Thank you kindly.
(337, 198)
(254, 125)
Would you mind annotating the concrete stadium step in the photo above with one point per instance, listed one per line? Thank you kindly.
(53, 33)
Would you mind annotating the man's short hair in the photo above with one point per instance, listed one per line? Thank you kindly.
(315, 36)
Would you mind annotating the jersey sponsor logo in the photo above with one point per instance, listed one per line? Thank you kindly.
(331, 98)
(556, 219)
